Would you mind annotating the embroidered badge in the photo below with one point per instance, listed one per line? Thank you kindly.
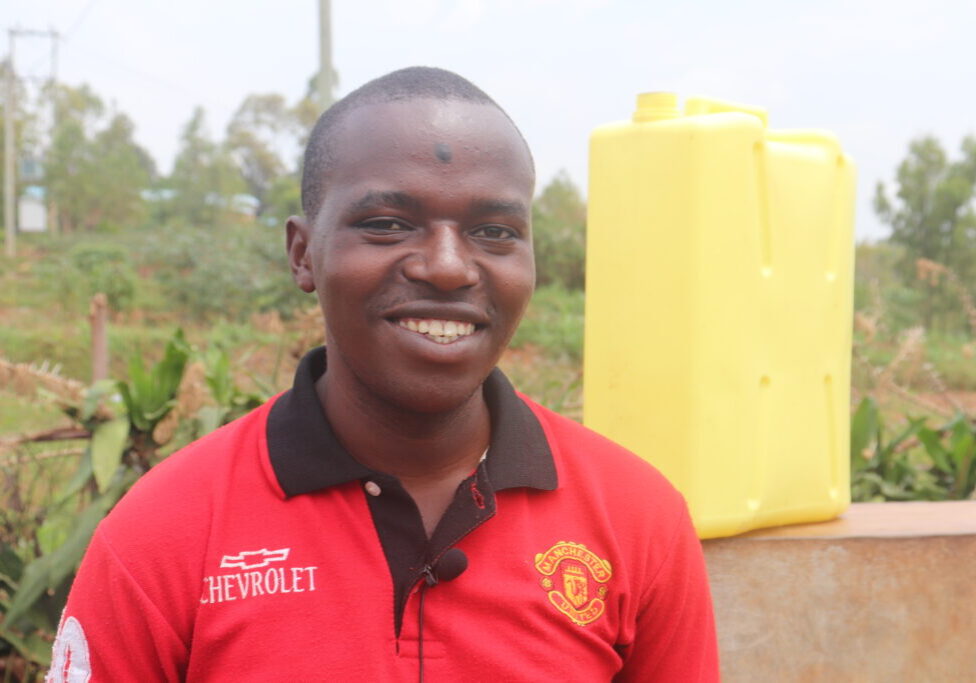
(575, 579)
(259, 573)
(254, 559)
(70, 660)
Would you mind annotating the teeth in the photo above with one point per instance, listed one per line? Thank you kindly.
(439, 331)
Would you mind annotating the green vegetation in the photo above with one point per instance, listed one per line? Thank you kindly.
(912, 435)
(44, 530)
(916, 462)
(559, 233)
(932, 219)
(553, 324)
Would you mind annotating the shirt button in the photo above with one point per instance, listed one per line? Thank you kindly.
(372, 488)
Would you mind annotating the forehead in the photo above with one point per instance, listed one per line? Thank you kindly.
(456, 136)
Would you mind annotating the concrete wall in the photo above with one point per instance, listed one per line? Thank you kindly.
(885, 593)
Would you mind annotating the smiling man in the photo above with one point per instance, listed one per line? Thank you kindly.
(401, 512)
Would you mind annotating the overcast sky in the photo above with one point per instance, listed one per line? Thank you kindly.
(875, 73)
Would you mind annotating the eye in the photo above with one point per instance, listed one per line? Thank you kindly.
(384, 226)
(494, 232)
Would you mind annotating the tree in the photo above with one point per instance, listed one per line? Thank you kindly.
(94, 174)
(559, 233)
(204, 176)
(933, 216)
(265, 132)
(253, 139)
(283, 200)
(124, 170)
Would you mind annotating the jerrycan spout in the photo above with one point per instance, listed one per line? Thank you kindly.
(656, 106)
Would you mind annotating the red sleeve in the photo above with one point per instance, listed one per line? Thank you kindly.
(675, 637)
(111, 629)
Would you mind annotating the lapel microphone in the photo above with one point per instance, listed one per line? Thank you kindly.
(451, 565)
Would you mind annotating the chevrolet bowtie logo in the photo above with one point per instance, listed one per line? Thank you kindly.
(253, 559)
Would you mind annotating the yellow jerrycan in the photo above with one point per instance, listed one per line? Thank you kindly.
(719, 293)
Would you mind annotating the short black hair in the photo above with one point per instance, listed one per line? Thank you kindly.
(412, 83)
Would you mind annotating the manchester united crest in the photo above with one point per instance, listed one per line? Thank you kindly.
(575, 579)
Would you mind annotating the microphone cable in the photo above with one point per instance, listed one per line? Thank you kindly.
(429, 580)
(450, 566)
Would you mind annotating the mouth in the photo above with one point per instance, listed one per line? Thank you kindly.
(438, 330)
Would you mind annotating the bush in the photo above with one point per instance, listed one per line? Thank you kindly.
(553, 322)
(227, 272)
(106, 269)
(559, 234)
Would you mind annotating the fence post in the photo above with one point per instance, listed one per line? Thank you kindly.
(98, 318)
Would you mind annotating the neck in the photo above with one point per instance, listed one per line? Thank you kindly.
(416, 447)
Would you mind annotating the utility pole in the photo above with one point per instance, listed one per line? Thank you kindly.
(325, 83)
(52, 209)
(9, 210)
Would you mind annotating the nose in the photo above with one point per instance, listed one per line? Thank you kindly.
(444, 260)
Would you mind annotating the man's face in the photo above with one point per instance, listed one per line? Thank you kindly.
(421, 253)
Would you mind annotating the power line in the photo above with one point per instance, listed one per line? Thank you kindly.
(78, 21)
(144, 75)
(66, 35)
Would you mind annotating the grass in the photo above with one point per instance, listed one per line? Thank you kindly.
(954, 358)
(553, 324)
(556, 383)
(18, 415)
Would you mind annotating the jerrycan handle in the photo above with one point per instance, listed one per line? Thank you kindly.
(706, 105)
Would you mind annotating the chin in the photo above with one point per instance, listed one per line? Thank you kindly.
(433, 396)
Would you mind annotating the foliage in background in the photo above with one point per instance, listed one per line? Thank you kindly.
(204, 178)
(553, 323)
(266, 137)
(94, 172)
(917, 462)
(559, 234)
(933, 217)
(931, 455)
(104, 268)
(226, 272)
(125, 426)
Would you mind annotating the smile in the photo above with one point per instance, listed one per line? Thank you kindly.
(440, 331)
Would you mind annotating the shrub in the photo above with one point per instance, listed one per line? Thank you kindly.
(553, 322)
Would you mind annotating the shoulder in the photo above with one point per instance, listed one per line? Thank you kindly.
(587, 458)
(178, 494)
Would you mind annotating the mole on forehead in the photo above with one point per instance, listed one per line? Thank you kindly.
(442, 151)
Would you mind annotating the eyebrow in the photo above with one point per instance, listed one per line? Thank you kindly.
(402, 200)
(500, 206)
(376, 200)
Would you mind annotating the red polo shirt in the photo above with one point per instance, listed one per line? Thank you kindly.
(264, 552)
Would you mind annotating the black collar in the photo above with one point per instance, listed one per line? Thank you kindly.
(306, 456)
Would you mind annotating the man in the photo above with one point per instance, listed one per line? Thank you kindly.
(401, 512)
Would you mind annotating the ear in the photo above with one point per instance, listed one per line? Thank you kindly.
(298, 237)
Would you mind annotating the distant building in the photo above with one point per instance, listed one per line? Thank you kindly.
(32, 210)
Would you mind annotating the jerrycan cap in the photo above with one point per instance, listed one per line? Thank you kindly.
(656, 106)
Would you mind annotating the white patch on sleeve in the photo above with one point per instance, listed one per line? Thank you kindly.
(69, 661)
